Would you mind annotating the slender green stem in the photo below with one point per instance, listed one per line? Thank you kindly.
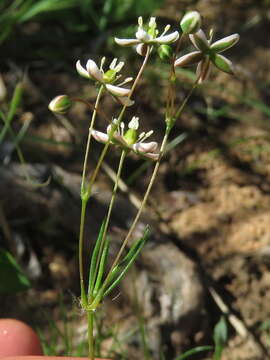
(91, 343)
(89, 138)
(81, 237)
(181, 107)
(108, 216)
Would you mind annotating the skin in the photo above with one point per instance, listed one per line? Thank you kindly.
(18, 341)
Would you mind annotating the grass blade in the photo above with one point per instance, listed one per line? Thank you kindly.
(194, 351)
(94, 258)
(121, 269)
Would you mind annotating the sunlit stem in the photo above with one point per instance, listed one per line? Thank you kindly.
(172, 78)
(108, 216)
(91, 343)
(181, 107)
(101, 89)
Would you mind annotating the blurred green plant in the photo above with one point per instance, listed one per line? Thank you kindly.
(220, 337)
(76, 15)
(12, 278)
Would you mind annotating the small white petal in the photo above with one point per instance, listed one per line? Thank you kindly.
(225, 43)
(126, 42)
(117, 90)
(134, 123)
(167, 39)
(152, 156)
(199, 40)
(94, 71)
(81, 70)
(189, 59)
(113, 63)
(145, 147)
(100, 136)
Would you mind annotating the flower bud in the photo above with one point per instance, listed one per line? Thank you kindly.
(191, 22)
(165, 52)
(131, 134)
(60, 104)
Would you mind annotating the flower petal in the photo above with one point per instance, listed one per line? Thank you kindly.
(222, 63)
(199, 41)
(145, 147)
(166, 39)
(126, 42)
(189, 59)
(152, 156)
(117, 90)
(141, 49)
(203, 70)
(100, 136)
(225, 43)
(94, 71)
(81, 70)
(126, 101)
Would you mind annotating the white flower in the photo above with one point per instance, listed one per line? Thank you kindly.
(149, 36)
(130, 140)
(207, 53)
(108, 78)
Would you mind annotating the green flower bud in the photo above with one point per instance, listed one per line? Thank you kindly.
(109, 76)
(60, 104)
(191, 22)
(131, 135)
(165, 52)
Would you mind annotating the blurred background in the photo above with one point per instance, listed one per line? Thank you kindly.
(204, 277)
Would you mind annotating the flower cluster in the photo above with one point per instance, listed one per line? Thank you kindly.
(129, 140)
(108, 78)
(148, 36)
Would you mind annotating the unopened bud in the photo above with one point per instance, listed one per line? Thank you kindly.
(191, 22)
(60, 104)
(165, 52)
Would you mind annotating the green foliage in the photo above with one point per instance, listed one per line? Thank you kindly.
(12, 278)
(194, 351)
(76, 15)
(220, 337)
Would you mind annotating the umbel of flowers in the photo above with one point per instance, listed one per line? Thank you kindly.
(128, 139)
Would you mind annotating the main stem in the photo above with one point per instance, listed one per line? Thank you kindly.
(91, 343)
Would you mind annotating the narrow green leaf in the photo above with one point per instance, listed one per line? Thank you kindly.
(12, 278)
(15, 102)
(102, 266)
(121, 269)
(194, 351)
(94, 258)
(220, 337)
